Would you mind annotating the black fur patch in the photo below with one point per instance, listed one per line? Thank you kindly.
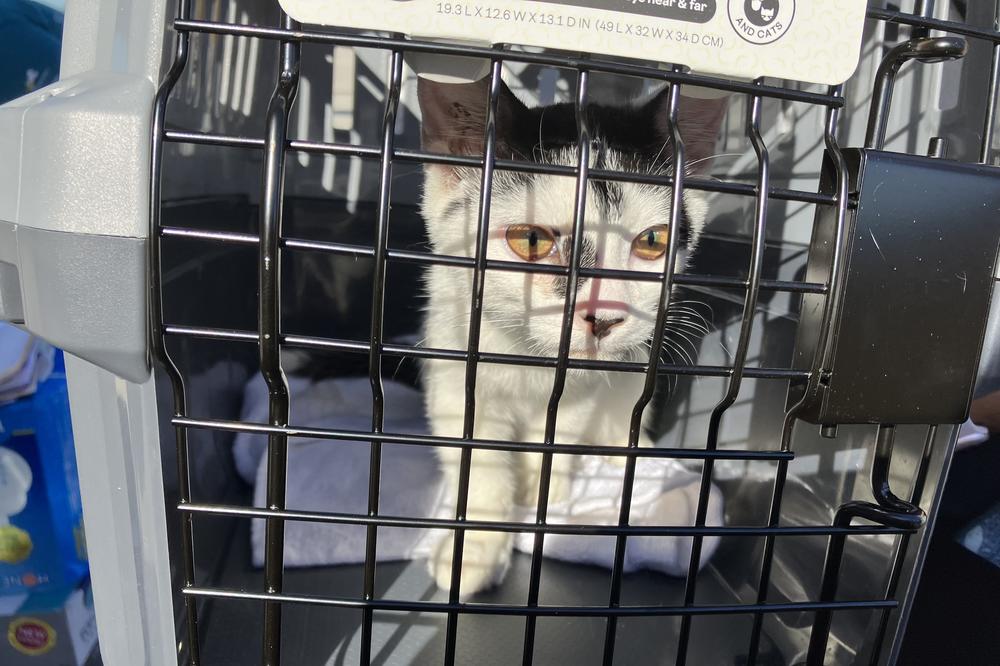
(627, 130)
(588, 259)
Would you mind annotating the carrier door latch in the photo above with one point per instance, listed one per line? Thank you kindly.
(918, 261)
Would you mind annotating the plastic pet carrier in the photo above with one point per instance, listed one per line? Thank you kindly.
(217, 213)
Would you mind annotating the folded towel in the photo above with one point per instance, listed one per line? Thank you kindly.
(664, 493)
(332, 476)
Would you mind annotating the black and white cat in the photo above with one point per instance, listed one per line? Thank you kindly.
(531, 218)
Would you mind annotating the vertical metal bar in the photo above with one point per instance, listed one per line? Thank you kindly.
(838, 266)
(472, 364)
(663, 305)
(375, 342)
(562, 357)
(157, 339)
(739, 359)
(923, 49)
(916, 494)
(924, 8)
(888, 510)
(831, 308)
(767, 554)
(818, 639)
(991, 95)
(878, 119)
(835, 554)
(269, 315)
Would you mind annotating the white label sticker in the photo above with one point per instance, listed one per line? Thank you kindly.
(803, 40)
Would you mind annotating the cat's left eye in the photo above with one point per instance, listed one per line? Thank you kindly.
(651, 243)
(530, 242)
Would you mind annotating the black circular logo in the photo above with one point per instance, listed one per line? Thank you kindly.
(761, 21)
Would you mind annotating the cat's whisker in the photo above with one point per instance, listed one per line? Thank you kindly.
(653, 168)
(683, 342)
(688, 339)
(688, 307)
(687, 316)
(681, 352)
(689, 356)
(672, 380)
(712, 157)
(684, 309)
(689, 327)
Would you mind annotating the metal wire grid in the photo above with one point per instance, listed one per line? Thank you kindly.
(269, 338)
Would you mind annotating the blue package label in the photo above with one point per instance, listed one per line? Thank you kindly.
(41, 519)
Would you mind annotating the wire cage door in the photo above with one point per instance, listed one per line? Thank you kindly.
(766, 597)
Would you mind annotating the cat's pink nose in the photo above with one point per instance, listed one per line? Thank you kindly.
(601, 326)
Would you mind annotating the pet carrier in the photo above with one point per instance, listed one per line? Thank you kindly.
(215, 196)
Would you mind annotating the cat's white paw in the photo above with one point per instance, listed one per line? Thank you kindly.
(485, 560)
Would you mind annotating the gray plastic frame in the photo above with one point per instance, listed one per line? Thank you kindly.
(74, 222)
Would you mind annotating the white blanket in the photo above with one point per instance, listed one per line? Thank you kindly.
(332, 476)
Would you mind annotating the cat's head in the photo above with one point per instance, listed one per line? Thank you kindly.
(626, 225)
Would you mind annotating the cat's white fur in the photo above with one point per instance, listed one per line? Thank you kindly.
(522, 314)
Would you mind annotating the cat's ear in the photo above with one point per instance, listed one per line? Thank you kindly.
(453, 115)
(700, 119)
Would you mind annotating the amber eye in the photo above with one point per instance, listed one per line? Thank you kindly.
(529, 242)
(651, 243)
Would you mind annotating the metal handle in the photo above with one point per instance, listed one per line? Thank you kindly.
(921, 49)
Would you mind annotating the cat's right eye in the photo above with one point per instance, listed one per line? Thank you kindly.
(652, 243)
(530, 242)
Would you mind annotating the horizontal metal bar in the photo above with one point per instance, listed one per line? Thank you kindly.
(232, 237)
(549, 528)
(410, 155)
(428, 258)
(749, 190)
(550, 611)
(232, 334)
(953, 27)
(386, 43)
(455, 442)
(485, 357)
